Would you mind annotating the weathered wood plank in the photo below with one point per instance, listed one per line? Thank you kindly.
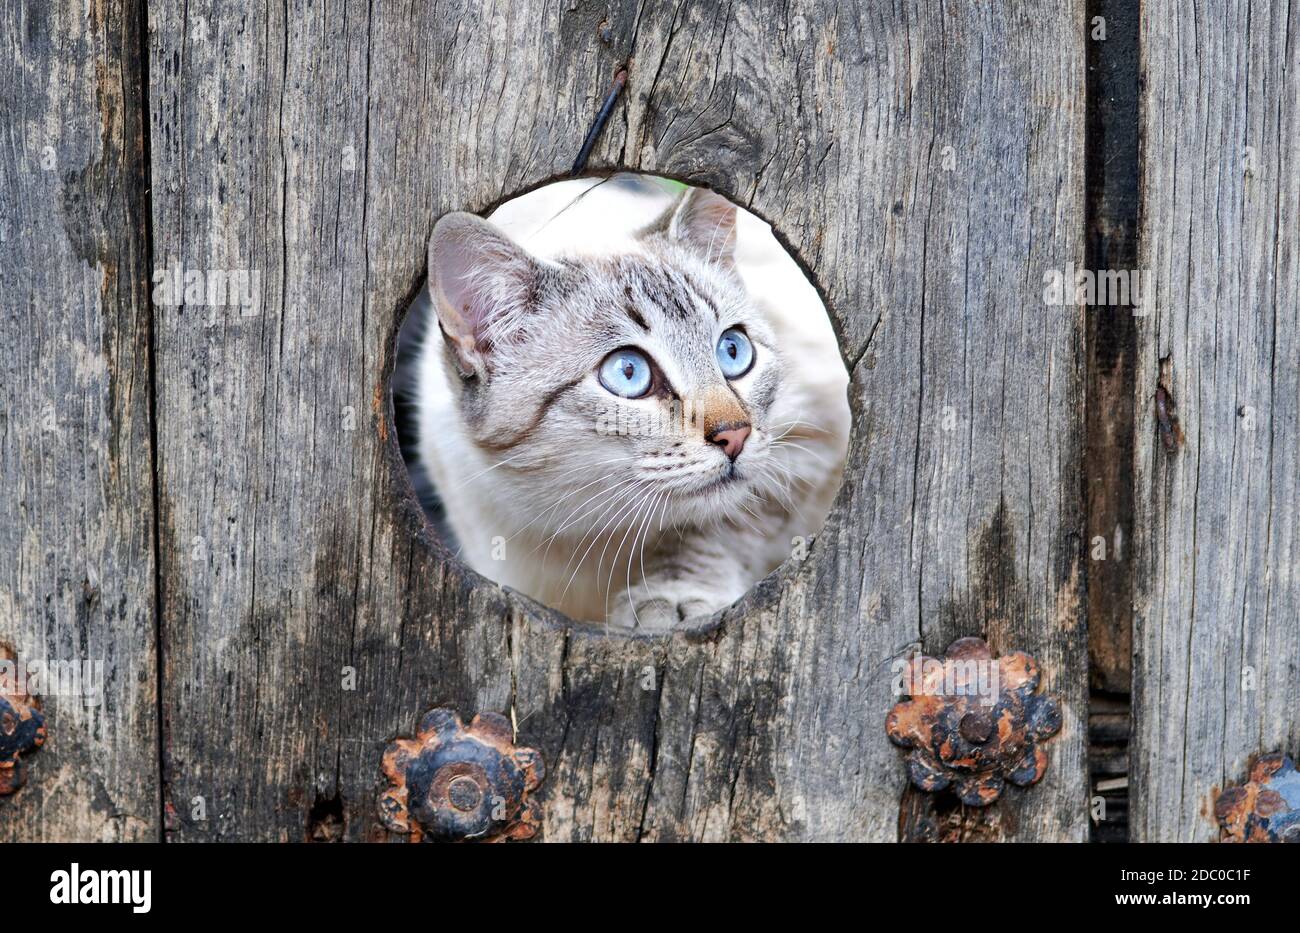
(319, 151)
(76, 482)
(1217, 649)
(1114, 64)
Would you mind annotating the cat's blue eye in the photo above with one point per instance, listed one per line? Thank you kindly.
(735, 353)
(626, 373)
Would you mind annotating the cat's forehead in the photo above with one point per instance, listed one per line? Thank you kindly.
(664, 294)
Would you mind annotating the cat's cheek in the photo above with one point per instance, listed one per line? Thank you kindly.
(762, 392)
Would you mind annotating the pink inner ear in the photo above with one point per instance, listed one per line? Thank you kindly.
(482, 281)
(453, 277)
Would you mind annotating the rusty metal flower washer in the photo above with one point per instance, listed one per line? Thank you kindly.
(974, 743)
(1266, 808)
(22, 730)
(452, 783)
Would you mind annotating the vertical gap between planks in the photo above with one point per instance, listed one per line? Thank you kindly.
(1112, 201)
(146, 172)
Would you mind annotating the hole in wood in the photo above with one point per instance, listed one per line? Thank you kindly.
(327, 820)
(622, 397)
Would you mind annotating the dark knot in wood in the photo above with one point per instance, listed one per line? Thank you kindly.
(1167, 423)
(451, 783)
(972, 722)
(1264, 809)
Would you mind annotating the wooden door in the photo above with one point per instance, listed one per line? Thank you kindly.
(221, 514)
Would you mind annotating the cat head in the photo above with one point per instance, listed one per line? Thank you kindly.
(602, 388)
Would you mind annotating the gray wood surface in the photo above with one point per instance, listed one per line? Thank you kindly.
(1218, 542)
(318, 152)
(76, 487)
(924, 163)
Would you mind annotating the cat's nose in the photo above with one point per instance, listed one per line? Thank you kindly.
(730, 437)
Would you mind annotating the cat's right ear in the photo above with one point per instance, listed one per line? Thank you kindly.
(702, 220)
(481, 284)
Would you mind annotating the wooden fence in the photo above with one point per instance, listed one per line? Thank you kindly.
(209, 497)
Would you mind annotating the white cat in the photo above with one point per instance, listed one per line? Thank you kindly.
(629, 419)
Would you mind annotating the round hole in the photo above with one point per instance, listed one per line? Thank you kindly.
(622, 397)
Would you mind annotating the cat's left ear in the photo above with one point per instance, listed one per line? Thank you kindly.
(706, 222)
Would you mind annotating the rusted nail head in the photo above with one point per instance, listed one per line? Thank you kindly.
(456, 782)
(464, 794)
(976, 727)
(1266, 808)
(973, 722)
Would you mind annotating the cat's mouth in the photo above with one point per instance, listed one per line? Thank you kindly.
(730, 476)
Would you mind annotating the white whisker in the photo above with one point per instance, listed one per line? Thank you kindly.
(649, 518)
(632, 523)
(617, 494)
(615, 518)
(816, 456)
(500, 463)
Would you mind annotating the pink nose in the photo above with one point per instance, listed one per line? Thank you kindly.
(731, 438)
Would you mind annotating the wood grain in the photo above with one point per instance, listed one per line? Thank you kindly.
(76, 482)
(1217, 649)
(317, 144)
(924, 163)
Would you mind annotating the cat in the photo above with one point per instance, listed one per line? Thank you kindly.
(612, 421)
